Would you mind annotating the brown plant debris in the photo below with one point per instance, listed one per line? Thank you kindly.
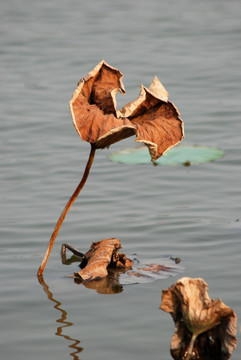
(152, 268)
(151, 117)
(155, 268)
(205, 328)
(98, 258)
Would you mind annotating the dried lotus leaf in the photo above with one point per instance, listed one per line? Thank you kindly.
(151, 117)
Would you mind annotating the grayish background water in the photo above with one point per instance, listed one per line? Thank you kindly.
(194, 47)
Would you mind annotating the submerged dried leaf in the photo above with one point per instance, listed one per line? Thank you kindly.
(151, 269)
(152, 118)
(204, 328)
(156, 268)
(101, 255)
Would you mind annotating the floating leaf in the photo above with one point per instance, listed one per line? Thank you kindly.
(182, 154)
(144, 273)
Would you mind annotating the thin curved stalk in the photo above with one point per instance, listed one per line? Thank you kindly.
(66, 209)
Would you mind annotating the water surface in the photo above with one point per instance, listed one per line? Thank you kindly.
(193, 213)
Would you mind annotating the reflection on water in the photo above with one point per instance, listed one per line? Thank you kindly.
(108, 285)
(62, 320)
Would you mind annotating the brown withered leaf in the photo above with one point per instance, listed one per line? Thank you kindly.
(205, 328)
(101, 255)
(152, 118)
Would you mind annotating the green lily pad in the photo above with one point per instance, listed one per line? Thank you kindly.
(182, 154)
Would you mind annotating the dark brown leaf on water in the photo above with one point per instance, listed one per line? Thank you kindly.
(101, 255)
(150, 270)
(205, 328)
(152, 118)
(155, 268)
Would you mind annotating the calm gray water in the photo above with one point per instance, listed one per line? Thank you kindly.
(194, 47)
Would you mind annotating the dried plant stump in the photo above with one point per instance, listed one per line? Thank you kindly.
(101, 255)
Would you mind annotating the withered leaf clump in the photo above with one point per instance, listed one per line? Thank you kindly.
(151, 117)
(205, 328)
(104, 269)
(102, 254)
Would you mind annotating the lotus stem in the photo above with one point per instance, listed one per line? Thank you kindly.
(190, 347)
(66, 209)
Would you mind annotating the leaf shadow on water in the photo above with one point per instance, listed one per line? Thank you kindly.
(63, 321)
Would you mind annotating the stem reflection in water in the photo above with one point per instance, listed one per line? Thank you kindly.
(62, 320)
